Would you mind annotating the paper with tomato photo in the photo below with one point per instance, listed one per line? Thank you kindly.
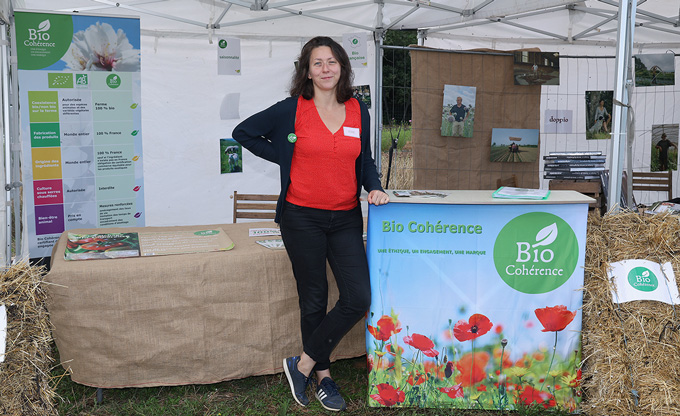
(101, 246)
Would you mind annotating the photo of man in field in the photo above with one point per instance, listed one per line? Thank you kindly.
(458, 111)
(664, 155)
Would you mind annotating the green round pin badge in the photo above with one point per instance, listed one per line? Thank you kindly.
(292, 138)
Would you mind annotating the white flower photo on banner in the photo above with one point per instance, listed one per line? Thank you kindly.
(101, 48)
(643, 280)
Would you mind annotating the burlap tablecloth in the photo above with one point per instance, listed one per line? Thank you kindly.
(179, 319)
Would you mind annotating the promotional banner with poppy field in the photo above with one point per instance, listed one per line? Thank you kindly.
(475, 306)
(80, 123)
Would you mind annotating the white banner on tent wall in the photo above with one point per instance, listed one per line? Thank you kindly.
(229, 56)
(643, 280)
(355, 45)
(80, 113)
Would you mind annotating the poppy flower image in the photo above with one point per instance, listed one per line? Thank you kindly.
(386, 327)
(554, 318)
(422, 343)
(452, 392)
(388, 395)
(475, 327)
(471, 367)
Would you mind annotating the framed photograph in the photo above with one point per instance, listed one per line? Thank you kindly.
(514, 145)
(231, 156)
(599, 114)
(536, 68)
(654, 69)
(664, 155)
(362, 93)
(458, 111)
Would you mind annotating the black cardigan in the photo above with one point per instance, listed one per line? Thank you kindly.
(265, 134)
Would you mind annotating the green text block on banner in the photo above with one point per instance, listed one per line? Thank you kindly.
(475, 306)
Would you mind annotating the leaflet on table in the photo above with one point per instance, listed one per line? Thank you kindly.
(660, 207)
(101, 246)
(257, 232)
(274, 244)
(424, 194)
(520, 193)
(184, 242)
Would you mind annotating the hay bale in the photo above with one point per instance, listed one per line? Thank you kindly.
(631, 349)
(25, 387)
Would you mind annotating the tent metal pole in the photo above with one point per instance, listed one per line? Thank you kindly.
(621, 83)
(4, 75)
(379, 37)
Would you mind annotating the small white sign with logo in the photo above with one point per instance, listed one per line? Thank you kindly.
(355, 45)
(3, 332)
(229, 56)
(643, 280)
(558, 121)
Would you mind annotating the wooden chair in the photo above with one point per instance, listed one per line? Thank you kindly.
(654, 181)
(258, 206)
(509, 181)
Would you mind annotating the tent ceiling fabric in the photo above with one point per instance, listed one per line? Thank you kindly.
(522, 21)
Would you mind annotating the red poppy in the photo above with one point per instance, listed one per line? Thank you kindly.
(452, 392)
(530, 395)
(498, 329)
(435, 370)
(388, 395)
(477, 326)
(481, 387)
(387, 326)
(422, 343)
(554, 318)
(392, 350)
(471, 367)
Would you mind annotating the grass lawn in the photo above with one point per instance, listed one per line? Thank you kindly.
(256, 396)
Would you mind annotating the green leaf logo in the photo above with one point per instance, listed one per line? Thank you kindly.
(133, 106)
(642, 279)
(134, 132)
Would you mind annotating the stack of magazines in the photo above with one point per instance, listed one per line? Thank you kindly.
(573, 165)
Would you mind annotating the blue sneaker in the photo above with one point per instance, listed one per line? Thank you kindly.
(327, 392)
(297, 381)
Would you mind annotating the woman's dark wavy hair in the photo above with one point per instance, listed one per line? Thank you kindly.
(302, 85)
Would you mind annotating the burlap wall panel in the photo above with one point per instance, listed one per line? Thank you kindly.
(443, 162)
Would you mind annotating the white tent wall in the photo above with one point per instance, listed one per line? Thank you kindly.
(181, 99)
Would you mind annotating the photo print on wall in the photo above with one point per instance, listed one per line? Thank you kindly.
(458, 111)
(664, 154)
(514, 145)
(231, 156)
(362, 93)
(536, 68)
(654, 69)
(599, 114)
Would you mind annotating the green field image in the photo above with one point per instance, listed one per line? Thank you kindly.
(447, 124)
(523, 154)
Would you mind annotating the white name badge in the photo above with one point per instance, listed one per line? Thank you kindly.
(351, 132)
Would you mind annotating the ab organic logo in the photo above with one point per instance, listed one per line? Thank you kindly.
(641, 278)
(536, 252)
(222, 43)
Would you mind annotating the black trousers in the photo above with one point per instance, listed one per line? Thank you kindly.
(311, 237)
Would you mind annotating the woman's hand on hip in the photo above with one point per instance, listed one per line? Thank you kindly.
(377, 197)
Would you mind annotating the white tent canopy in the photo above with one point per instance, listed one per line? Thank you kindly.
(182, 93)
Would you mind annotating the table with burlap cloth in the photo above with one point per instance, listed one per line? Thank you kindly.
(179, 319)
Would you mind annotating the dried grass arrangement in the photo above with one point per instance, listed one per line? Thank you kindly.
(631, 351)
(25, 382)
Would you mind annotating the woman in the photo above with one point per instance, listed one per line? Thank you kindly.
(320, 138)
(602, 118)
